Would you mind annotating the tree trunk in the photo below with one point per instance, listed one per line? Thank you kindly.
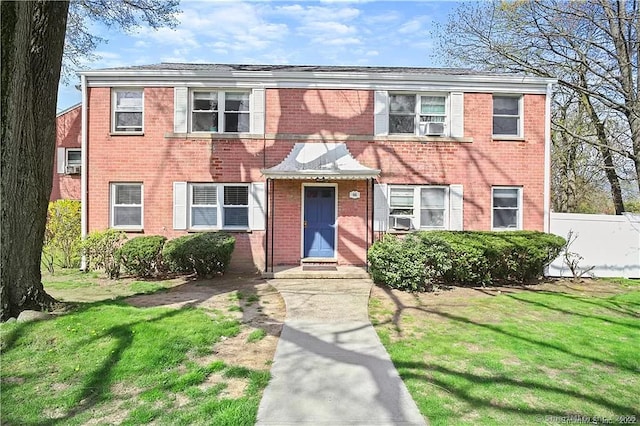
(32, 44)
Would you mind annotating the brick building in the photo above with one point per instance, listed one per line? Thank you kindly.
(66, 174)
(312, 162)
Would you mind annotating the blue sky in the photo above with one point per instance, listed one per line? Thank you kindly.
(391, 33)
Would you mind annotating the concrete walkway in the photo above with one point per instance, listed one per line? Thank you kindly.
(330, 367)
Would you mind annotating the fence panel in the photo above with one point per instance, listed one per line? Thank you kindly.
(611, 244)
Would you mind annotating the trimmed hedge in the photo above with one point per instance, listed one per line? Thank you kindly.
(421, 260)
(205, 254)
(101, 251)
(142, 256)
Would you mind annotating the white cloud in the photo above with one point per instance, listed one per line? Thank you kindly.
(410, 27)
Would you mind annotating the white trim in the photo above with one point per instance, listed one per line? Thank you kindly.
(83, 176)
(547, 160)
(112, 192)
(521, 116)
(324, 79)
(115, 90)
(520, 224)
(66, 155)
(335, 234)
(69, 109)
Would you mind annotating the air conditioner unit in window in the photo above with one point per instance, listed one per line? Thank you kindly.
(432, 129)
(73, 170)
(400, 223)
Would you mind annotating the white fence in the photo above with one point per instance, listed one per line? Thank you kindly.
(610, 244)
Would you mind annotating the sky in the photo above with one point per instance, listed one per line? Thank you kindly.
(331, 32)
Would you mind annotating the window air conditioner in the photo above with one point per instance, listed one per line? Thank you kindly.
(400, 223)
(432, 129)
(73, 170)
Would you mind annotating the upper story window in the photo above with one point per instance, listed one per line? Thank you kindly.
(507, 115)
(126, 206)
(219, 111)
(127, 110)
(417, 114)
(507, 208)
(73, 161)
(418, 207)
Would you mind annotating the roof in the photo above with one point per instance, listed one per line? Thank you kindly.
(315, 160)
(169, 66)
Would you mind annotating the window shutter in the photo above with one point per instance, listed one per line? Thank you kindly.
(180, 108)
(455, 208)
(381, 118)
(381, 207)
(258, 207)
(179, 205)
(257, 111)
(457, 115)
(61, 153)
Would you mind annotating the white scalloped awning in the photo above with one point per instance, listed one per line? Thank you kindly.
(320, 161)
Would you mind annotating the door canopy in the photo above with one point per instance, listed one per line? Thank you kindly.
(320, 161)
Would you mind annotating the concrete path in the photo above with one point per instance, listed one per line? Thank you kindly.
(330, 367)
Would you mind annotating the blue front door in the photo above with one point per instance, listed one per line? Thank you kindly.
(319, 221)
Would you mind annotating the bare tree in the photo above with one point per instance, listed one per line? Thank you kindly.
(33, 38)
(590, 47)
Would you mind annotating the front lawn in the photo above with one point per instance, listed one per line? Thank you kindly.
(516, 356)
(107, 362)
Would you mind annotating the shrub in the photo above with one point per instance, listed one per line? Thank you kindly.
(205, 254)
(421, 260)
(142, 256)
(101, 251)
(62, 234)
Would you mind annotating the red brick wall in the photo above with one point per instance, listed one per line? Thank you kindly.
(327, 112)
(158, 161)
(68, 135)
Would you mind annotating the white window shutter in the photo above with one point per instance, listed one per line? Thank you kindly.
(457, 114)
(61, 160)
(380, 208)
(455, 208)
(258, 207)
(381, 113)
(257, 111)
(179, 205)
(180, 108)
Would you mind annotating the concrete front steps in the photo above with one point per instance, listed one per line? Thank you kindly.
(316, 269)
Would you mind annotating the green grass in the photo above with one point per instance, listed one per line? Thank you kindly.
(256, 335)
(519, 357)
(70, 285)
(115, 363)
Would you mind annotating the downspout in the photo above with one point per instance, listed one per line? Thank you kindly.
(85, 171)
(366, 219)
(547, 159)
(266, 227)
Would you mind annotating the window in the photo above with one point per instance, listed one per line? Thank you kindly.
(73, 161)
(127, 110)
(417, 114)
(418, 207)
(507, 212)
(219, 111)
(126, 205)
(206, 212)
(236, 206)
(506, 115)
(204, 206)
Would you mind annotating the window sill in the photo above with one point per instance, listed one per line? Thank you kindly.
(423, 139)
(126, 134)
(131, 230)
(507, 138)
(212, 136)
(231, 231)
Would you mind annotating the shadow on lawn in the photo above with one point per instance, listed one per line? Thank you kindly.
(418, 370)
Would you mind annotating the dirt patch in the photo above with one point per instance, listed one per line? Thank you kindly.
(249, 299)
